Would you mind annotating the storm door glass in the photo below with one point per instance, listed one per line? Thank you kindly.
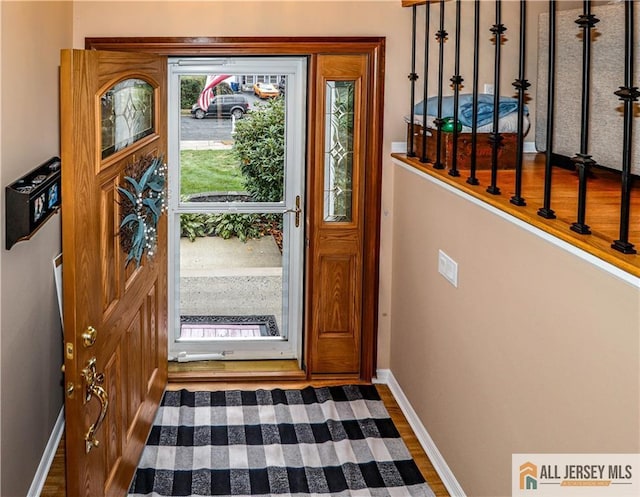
(126, 114)
(235, 216)
(338, 155)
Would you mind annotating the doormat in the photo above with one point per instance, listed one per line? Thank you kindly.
(322, 442)
(203, 327)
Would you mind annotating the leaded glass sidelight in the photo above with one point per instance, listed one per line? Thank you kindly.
(127, 115)
(338, 154)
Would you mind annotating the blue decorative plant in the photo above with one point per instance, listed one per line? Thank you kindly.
(144, 193)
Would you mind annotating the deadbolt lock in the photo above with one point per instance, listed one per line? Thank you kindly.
(89, 336)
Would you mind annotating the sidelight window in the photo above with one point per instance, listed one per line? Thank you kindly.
(338, 161)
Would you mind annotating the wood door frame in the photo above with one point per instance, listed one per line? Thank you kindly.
(374, 47)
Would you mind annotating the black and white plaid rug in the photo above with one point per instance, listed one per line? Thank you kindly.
(332, 441)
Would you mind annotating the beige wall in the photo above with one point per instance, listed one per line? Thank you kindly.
(31, 392)
(535, 351)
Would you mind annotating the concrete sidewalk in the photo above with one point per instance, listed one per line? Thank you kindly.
(211, 255)
(228, 277)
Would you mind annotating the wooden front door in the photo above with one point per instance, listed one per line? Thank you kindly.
(113, 108)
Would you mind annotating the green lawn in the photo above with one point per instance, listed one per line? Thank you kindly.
(209, 171)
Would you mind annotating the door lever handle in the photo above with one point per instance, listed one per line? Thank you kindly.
(297, 211)
(93, 382)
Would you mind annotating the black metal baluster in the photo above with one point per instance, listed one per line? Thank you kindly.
(472, 179)
(628, 94)
(546, 211)
(495, 138)
(521, 85)
(427, 22)
(456, 80)
(583, 160)
(413, 76)
(441, 36)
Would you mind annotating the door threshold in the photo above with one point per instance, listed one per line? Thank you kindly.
(271, 370)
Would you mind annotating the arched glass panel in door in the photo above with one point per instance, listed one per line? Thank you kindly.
(126, 115)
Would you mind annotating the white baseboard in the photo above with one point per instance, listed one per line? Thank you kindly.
(448, 479)
(529, 147)
(382, 376)
(47, 457)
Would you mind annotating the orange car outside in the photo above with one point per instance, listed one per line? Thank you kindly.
(265, 90)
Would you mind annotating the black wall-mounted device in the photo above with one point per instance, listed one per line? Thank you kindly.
(31, 201)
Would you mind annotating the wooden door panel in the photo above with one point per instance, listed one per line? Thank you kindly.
(151, 339)
(338, 341)
(337, 241)
(113, 436)
(133, 354)
(109, 247)
(337, 275)
(337, 355)
(125, 304)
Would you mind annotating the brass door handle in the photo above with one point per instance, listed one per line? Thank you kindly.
(93, 380)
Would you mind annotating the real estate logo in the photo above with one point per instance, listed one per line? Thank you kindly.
(528, 476)
(583, 475)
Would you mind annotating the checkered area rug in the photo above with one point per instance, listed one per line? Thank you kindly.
(332, 441)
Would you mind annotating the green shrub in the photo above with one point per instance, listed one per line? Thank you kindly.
(244, 226)
(259, 144)
(193, 226)
(190, 88)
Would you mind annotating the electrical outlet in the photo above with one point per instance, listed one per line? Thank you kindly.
(488, 88)
(448, 268)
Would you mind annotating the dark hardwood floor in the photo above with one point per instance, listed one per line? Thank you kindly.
(55, 483)
(602, 206)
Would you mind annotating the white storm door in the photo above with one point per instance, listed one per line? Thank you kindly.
(221, 282)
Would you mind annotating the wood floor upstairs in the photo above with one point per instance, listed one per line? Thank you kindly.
(602, 206)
